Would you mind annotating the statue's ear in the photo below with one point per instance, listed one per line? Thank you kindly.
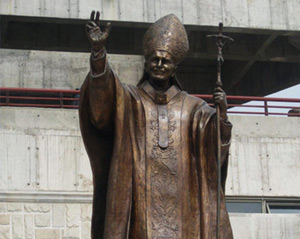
(145, 66)
(174, 72)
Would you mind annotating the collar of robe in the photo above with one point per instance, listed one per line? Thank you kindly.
(161, 99)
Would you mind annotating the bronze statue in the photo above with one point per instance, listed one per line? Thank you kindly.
(152, 147)
(294, 112)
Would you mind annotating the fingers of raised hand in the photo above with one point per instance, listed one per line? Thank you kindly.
(96, 36)
(108, 27)
(92, 16)
(95, 22)
(96, 19)
(91, 26)
(107, 30)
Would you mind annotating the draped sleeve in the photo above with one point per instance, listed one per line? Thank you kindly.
(205, 151)
(103, 112)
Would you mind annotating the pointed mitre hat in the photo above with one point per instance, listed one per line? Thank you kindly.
(167, 34)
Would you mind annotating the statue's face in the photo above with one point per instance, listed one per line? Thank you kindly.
(160, 66)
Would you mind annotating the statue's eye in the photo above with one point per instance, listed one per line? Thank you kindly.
(154, 60)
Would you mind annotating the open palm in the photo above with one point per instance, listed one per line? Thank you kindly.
(96, 37)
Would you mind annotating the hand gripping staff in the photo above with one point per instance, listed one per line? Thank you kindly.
(220, 42)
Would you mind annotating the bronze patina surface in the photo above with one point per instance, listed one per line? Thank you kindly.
(152, 147)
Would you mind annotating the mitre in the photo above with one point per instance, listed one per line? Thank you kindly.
(166, 34)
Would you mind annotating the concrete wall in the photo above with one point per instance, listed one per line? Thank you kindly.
(265, 226)
(43, 151)
(45, 221)
(73, 220)
(59, 70)
(264, 156)
(266, 14)
(46, 186)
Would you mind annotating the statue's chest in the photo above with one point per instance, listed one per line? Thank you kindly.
(163, 169)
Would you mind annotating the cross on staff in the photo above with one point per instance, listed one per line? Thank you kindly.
(220, 42)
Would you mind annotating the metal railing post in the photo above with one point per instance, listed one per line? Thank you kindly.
(61, 99)
(266, 107)
(7, 97)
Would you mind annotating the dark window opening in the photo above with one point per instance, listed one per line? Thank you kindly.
(244, 207)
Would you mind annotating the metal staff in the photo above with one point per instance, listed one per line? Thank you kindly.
(220, 42)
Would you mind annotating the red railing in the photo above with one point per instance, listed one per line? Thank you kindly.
(50, 98)
(268, 104)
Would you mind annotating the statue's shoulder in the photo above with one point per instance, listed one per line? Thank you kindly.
(193, 99)
(198, 103)
(134, 91)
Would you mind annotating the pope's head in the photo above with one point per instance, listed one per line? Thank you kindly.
(165, 44)
(160, 66)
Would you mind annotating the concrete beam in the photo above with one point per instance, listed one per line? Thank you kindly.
(59, 70)
(65, 70)
(263, 14)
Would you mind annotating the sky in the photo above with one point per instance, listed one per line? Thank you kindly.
(292, 92)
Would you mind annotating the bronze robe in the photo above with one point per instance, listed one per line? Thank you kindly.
(142, 190)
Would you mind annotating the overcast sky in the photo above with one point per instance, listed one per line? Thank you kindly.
(292, 92)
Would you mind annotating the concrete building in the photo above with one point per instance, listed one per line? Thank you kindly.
(45, 176)
(266, 33)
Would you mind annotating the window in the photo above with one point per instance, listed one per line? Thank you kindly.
(263, 205)
(285, 208)
(244, 207)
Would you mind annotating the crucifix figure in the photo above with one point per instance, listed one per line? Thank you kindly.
(152, 147)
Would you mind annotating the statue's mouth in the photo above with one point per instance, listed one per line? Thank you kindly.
(159, 70)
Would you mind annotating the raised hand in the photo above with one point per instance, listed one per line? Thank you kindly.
(96, 37)
(219, 97)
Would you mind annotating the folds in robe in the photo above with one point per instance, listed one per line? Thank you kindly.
(153, 158)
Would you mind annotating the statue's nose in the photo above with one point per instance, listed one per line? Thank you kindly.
(159, 63)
